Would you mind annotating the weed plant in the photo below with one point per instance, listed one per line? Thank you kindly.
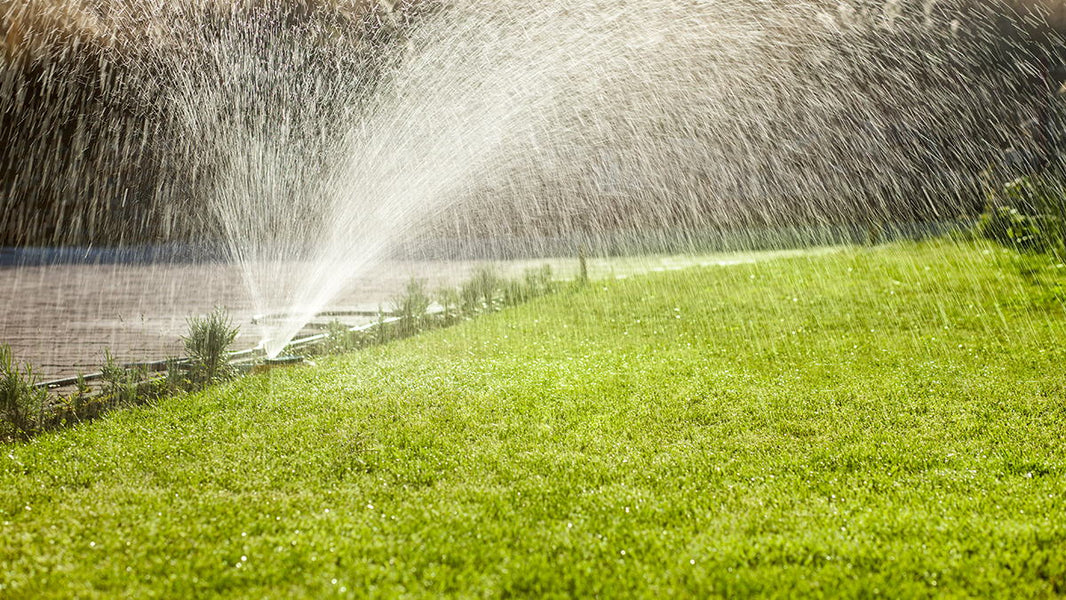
(450, 303)
(76, 404)
(539, 281)
(535, 282)
(412, 307)
(175, 378)
(482, 292)
(381, 328)
(207, 345)
(22, 404)
(120, 383)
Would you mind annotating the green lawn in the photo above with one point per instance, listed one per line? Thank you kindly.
(875, 421)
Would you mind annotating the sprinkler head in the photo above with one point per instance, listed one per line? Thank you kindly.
(286, 360)
(269, 364)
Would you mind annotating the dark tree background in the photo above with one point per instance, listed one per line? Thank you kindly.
(89, 153)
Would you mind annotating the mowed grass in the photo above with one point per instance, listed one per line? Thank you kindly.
(876, 421)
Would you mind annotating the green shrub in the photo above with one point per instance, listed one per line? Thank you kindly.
(1007, 226)
(208, 345)
(1028, 215)
(411, 307)
(381, 328)
(485, 290)
(343, 338)
(120, 384)
(76, 403)
(535, 282)
(22, 404)
(81, 385)
(515, 292)
(482, 291)
(175, 379)
(539, 280)
(1034, 195)
(450, 303)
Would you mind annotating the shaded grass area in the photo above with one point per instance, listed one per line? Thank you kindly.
(884, 421)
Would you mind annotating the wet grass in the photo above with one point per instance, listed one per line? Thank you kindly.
(888, 421)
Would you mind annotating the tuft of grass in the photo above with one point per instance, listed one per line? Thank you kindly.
(120, 384)
(22, 404)
(451, 303)
(207, 345)
(411, 307)
(535, 282)
(482, 292)
(885, 421)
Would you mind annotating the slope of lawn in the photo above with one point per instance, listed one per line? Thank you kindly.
(875, 421)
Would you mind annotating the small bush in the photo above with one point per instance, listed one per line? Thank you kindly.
(515, 292)
(482, 291)
(22, 404)
(1034, 195)
(81, 385)
(207, 345)
(411, 307)
(120, 384)
(450, 303)
(1007, 226)
(176, 379)
(535, 282)
(72, 407)
(381, 328)
(539, 280)
(1028, 215)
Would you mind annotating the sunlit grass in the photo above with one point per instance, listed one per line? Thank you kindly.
(884, 421)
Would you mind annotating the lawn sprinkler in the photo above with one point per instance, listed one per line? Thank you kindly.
(269, 364)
